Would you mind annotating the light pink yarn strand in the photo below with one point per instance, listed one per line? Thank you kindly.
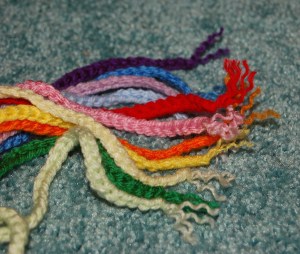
(109, 83)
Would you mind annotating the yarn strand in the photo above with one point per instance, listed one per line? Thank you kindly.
(93, 70)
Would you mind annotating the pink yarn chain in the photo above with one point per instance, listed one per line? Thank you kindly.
(113, 82)
(214, 125)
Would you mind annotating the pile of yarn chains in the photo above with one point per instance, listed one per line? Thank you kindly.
(137, 95)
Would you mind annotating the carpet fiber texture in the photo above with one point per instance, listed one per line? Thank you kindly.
(41, 40)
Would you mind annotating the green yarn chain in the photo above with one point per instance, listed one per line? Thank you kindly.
(36, 148)
(25, 153)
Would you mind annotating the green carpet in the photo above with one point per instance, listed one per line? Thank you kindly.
(41, 40)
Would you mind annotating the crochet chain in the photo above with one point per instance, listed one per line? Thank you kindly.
(184, 146)
(24, 111)
(224, 126)
(26, 152)
(93, 70)
(115, 82)
(171, 128)
(115, 174)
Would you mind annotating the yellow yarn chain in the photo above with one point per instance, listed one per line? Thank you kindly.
(32, 113)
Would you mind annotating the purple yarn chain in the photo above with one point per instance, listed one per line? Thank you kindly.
(93, 70)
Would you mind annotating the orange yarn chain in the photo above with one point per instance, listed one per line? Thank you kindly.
(185, 146)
